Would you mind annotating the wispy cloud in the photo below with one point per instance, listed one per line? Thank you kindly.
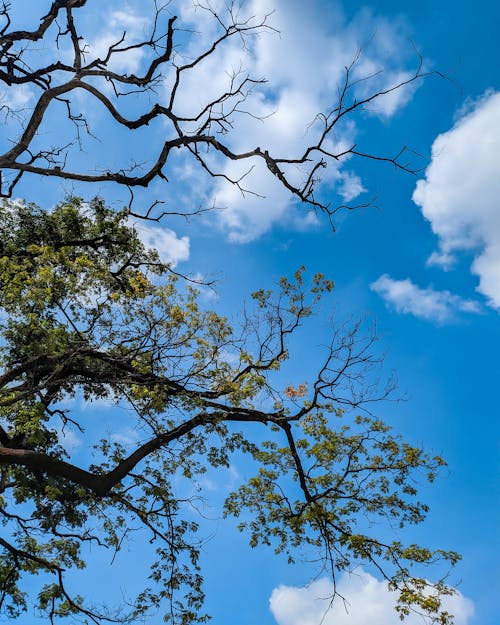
(460, 195)
(16, 97)
(284, 109)
(68, 438)
(406, 297)
(368, 600)
(129, 22)
(128, 437)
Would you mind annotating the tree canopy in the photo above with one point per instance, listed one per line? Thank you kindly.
(88, 311)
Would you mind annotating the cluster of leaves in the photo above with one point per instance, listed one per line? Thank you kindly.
(77, 308)
(88, 311)
(347, 479)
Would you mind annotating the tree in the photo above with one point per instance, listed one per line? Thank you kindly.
(88, 310)
(67, 72)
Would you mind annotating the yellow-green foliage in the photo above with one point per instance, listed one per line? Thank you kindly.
(87, 311)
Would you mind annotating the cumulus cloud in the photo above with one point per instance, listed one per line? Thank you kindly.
(171, 248)
(407, 297)
(460, 195)
(368, 600)
(283, 110)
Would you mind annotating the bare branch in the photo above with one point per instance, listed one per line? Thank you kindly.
(199, 133)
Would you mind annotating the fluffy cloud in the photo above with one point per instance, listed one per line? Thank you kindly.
(170, 247)
(461, 190)
(429, 304)
(368, 600)
(283, 109)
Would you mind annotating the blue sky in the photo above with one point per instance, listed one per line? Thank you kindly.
(423, 261)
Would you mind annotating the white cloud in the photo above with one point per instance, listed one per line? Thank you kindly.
(350, 187)
(118, 22)
(16, 97)
(460, 195)
(68, 438)
(234, 477)
(15, 105)
(305, 64)
(128, 437)
(170, 247)
(429, 304)
(368, 601)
